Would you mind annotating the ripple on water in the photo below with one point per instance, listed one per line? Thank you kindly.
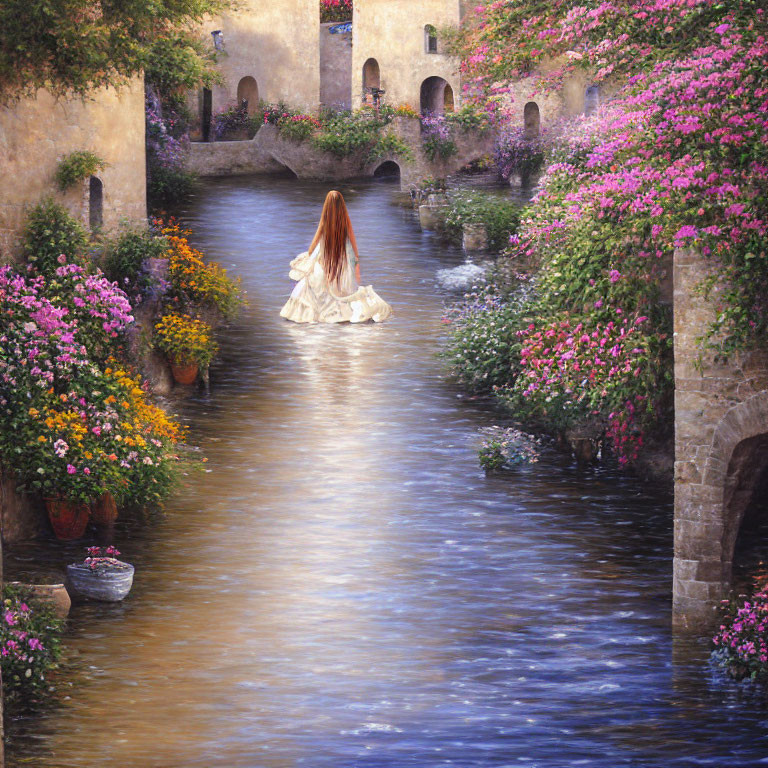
(345, 588)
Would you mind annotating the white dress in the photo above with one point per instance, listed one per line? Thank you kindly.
(314, 300)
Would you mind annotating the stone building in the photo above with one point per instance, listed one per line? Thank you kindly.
(395, 47)
(267, 50)
(36, 133)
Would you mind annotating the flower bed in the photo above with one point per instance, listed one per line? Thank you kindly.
(29, 647)
(741, 642)
(335, 10)
(677, 159)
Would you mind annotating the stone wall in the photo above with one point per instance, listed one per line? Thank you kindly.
(392, 33)
(335, 68)
(721, 442)
(36, 133)
(23, 517)
(268, 152)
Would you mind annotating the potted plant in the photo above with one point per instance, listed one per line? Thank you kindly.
(101, 576)
(188, 344)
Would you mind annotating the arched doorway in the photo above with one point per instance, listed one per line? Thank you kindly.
(371, 74)
(248, 93)
(448, 103)
(95, 203)
(591, 99)
(389, 169)
(436, 96)
(746, 484)
(531, 120)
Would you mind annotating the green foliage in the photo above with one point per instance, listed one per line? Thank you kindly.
(72, 46)
(77, 166)
(500, 216)
(345, 133)
(49, 232)
(390, 144)
(297, 127)
(168, 185)
(470, 118)
(30, 640)
(437, 147)
(177, 64)
(125, 258)
(483, 349)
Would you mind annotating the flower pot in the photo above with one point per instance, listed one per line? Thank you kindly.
(69, 519)
(184, 373)
(109, 585)
(104, 510)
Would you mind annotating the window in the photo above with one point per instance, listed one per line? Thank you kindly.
(95, 203)
(430, 38)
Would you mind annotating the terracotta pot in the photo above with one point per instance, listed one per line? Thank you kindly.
(184, 373)
(104, 510)
(69, 519)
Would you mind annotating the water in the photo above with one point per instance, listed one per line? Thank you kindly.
(345, 588)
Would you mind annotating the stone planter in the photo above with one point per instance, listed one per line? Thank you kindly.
(475, 237)
(108, 585)
(54, 594)
(185, 373)
(104, 510)
(69, 519)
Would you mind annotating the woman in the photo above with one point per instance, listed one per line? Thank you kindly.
(328, 275)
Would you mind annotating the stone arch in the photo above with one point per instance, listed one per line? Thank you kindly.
(710, 506)
(371, 75)
(531, 120)
(248, 93)
(436, 96)
(389, 169)
(95, 203)
(735, 465)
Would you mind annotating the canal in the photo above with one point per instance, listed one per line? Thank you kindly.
(342, 587)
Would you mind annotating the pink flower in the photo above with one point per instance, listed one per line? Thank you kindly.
(71, 470)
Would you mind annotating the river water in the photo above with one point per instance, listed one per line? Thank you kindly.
(343, 587)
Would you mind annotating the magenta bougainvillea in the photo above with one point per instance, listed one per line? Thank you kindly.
(678, 158)
(335, 10)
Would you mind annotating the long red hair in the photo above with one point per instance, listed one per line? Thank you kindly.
(335, 227)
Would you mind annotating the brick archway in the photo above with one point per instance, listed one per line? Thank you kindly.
(721, 447)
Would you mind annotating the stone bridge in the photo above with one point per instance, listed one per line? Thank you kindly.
(721, 449)
(269, 153)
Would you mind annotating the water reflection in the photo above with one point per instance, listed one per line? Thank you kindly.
(345, 588)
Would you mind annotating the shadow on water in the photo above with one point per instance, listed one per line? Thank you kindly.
(344, 587)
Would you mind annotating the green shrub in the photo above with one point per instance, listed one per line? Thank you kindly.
(77, 166)
(297, 127)
(125, 258)
(483, 348)
(501, 216)
(345, 133)
(391, 145)
(469, 118)
(49, 232)
(30, 642)
(168, 185)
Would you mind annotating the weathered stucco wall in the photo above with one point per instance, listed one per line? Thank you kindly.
(277, 44)
(392, 32)
(721, 442)
(35, 134)
(335, 68)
